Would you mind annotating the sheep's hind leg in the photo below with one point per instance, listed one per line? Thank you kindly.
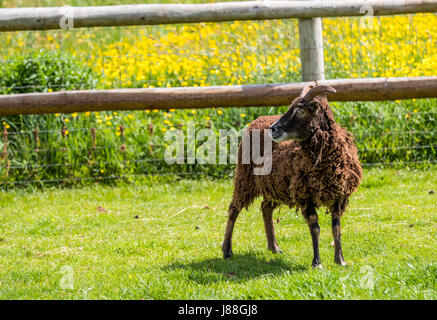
(312, 219)
(267, 208)
(337, 211)
(227, 242)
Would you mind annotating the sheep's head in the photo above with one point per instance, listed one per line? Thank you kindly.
(295, 124)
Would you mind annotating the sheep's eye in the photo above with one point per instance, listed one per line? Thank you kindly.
(300, 113)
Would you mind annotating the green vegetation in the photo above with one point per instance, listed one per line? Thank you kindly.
(159, 237)
(44, 71)
(67, 148)
(76, 147)
(161, 240)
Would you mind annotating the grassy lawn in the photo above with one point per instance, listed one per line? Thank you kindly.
(161, 240)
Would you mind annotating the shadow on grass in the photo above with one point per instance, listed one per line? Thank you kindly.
(238, 268)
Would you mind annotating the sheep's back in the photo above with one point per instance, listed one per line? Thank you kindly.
(263, 122)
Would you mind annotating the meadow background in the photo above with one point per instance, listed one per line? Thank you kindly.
(72, 148)
(156, 236)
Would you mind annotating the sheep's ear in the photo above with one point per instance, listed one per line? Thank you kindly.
(313, 106)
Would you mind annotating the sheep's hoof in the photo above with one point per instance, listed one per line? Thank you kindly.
(317, 266)
(341, 263)
(227, 254)
(276, 250)
(227, 250)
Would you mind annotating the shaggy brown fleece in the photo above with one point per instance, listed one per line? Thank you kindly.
(321, 170)
(325, 168)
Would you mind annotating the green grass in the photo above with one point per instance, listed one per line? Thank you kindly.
(161, 240)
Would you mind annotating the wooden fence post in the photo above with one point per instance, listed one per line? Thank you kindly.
(311, 49)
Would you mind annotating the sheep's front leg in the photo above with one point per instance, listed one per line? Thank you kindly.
(313, 223)
(267, 210)
(336, 233)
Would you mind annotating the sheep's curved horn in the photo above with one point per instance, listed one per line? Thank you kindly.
(305, 90)
(315, 91)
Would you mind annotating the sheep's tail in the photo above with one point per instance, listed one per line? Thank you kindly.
(244, 183)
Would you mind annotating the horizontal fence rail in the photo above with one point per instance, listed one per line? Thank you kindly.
(369, 89)
(16, 19)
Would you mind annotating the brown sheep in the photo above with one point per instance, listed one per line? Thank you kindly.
(314, 163)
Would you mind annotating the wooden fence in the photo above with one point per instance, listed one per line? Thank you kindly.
(151, 14)
(311, 46)
(371, 89)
